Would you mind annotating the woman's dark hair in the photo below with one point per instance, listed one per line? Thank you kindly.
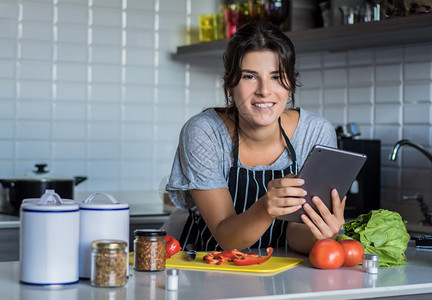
(258, 36)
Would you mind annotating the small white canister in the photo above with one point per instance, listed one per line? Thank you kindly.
(99, 221)
(49, 240)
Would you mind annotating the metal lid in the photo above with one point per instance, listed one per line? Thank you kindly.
(109, 244)
(149, 232)
(40, 174)
(370, 256)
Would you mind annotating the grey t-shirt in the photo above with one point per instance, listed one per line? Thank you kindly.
(204, 154)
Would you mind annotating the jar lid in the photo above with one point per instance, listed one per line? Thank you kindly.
(50, 201)
(149, 232)
(104, 206)
(109, 244)
(368, 256)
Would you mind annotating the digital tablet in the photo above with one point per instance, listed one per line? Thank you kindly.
(326, 168)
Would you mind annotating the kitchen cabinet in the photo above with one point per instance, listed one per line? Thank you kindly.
(389, 32)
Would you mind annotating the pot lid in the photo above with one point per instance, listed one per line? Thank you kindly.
(41, 174)
(49, 202)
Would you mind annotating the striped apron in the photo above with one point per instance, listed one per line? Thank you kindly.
(246, 187)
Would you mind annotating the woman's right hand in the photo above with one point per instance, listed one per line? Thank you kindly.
(284, 196)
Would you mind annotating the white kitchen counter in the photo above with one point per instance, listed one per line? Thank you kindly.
(300, 282)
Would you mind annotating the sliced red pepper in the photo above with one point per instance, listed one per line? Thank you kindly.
(231, 254)
(238, 257)
(172, 246)
(252, 259)
(212, 261)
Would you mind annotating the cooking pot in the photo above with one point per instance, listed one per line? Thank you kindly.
(34, 184)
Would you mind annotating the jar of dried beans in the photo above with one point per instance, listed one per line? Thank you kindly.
(149, 250)
(109, 263)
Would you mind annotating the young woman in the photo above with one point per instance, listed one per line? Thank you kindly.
(233, 172)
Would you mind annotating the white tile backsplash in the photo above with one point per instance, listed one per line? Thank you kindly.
(90, 88)
(360, 75)
(420, 134)
(8, 29)
(388, 114)
(333, 77)
(8, 89)
(388, 73)
(361, 114)
(388, 93)
(67, 14)
(35, 50)
(69, 150)
(7, 69)
(337, 59)
(37, 12)
(35, 90)
(418, 71)
(7, 133)
(358, 95)
(6, 146)
(37, 32)
(417, 113)
(336, 96)
(69, 131)
(414, 92)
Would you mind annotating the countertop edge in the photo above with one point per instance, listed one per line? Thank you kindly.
(363, 293)
(10, 224)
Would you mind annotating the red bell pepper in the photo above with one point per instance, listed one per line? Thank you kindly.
(237, 257)
(172, 246)
(253, 259)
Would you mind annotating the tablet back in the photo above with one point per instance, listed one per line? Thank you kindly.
(326, 168)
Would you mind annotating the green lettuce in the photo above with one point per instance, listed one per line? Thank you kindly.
(381, 232)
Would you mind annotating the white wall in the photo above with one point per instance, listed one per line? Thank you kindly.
(89, 87)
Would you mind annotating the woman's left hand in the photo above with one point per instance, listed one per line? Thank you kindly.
(325, 225)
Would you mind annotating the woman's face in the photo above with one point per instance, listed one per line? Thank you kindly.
(260, 96)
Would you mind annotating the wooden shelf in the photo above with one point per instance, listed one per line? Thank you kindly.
(390, 32)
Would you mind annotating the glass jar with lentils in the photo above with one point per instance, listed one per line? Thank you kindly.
(109, 263)
(149, 250)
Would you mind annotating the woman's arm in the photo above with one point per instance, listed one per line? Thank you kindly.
(239, 231)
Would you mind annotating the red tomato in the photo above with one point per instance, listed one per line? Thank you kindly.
(353, 252)
(327, 254)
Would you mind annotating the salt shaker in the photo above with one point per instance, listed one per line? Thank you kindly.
(171, 279)
(370, 263)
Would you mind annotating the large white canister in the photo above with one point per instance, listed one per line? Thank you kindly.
(98, 221)
(49, 240)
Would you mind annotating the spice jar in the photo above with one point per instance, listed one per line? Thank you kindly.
(150, 250)
(109, 263)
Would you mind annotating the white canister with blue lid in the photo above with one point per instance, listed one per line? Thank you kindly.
(49, 240)
(98, 221)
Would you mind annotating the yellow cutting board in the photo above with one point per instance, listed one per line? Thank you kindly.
(273, 265)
